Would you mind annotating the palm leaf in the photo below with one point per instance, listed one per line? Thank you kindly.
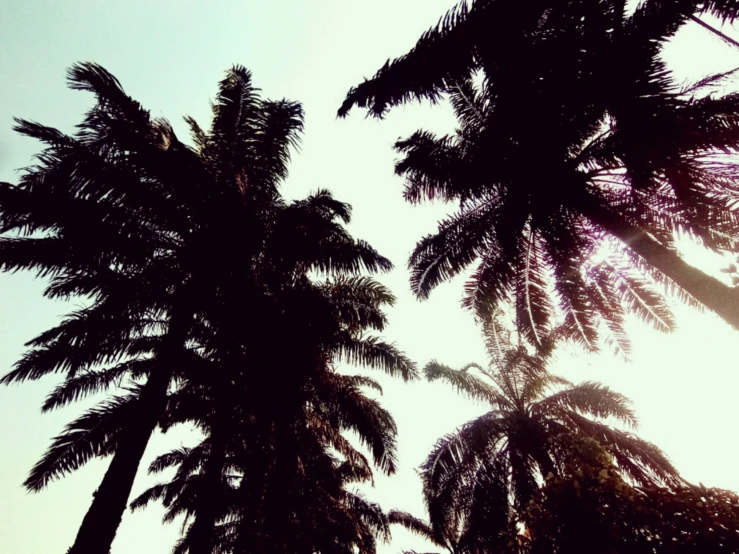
(93, 434)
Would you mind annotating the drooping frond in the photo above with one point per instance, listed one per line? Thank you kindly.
(415, 525)
(363, 381)
(94, 78)
(94, 381)
(590, 398)
(458, 242)
(92, 434)
(533, 306)
(98, 335)
(351, 410)
(358, 301)
(172, 458)
(640, 460)
(465, 383)
(375, 353)
(411, 77)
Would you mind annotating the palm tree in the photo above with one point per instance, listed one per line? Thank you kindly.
(546, 174)
(126, 215)
(480, 478)
(248, 416)
(595, 510)
(99, 215)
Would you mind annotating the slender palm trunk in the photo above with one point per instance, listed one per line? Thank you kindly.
(709, 291)
(100, 524)
(102, 519)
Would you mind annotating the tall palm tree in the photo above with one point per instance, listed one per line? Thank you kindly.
(102, 215)
(125, 214)
(242, 408)
(479, 478)
(545, 173)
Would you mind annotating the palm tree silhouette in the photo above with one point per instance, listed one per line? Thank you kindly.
(254, 402)
(579, 139)
(479, 479)
(159, 235)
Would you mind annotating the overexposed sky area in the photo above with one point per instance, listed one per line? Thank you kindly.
(169, 55)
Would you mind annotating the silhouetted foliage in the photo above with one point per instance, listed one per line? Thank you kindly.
(576, 158)
(480, 480)
(194, 268)
(283, 484)
(598, 512)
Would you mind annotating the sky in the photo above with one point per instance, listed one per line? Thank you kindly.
(169, 55)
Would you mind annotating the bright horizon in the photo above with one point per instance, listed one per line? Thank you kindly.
(169, 55)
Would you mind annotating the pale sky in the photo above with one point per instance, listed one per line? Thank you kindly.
(169, 55)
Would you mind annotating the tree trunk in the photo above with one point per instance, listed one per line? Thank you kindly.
(102, 519)
(709, 291)
(100, 524)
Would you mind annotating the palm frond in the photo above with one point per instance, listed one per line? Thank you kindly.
(458, 242)
(465, 383)
(410, 77)
(415, 525)
(593, 399)
(352, 410)
(638, 459)
(93, 434)
(94, 381)
(375, 353)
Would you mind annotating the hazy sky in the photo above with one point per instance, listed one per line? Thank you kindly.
(169, 55)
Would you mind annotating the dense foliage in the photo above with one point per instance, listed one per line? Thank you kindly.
(574, 163)
(194, 270)
(542, 472)
(209, 300)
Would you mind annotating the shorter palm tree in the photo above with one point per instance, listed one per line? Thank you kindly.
(479, 479)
